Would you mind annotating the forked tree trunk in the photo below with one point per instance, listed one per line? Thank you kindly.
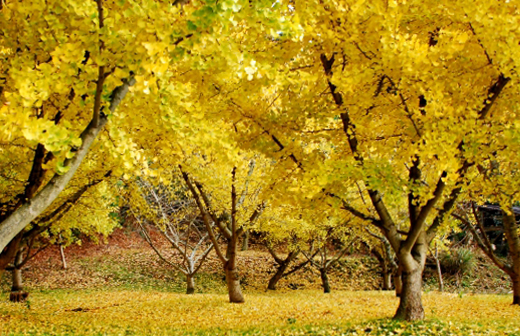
(190, 284)
(277, 276)
(233, 284)
(410, 305)
(325, 280)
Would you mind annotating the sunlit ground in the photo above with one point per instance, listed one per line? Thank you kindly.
(286, 313)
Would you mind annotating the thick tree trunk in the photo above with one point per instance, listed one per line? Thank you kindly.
(190, 284)
(410, 305)
(233, 284)
(277, 276)
(325, 280)
(9, 252)
(17, 280)
(17, 293)
(516, 289)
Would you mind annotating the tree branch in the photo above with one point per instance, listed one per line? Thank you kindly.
(20, 218)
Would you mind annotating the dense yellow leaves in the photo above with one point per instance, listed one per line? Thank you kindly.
(159, 313)
(221, 84)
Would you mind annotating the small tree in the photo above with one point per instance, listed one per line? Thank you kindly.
(328, 255)
(23, 255)
(227, 224)
(178, 220)
(283, 263)
(383, 252)
(45, 231)
(472, 218)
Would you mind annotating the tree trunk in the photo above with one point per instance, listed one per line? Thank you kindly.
(513, 242)
(325, 280)
(410, 305)
(190, 284)
(245, 241)
(9, 252)
(398, 282)
(387, 275)
(19, 219)
(385, 270)
(516, 288)
(387, 280)
(63, 260)
(233, 284)
(439, 274)
(277, 276)
(17, 293)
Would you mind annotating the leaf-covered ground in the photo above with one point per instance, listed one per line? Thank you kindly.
(127, 262)
(121, 288)
(61, 312)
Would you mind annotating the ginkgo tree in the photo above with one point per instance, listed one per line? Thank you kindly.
(395, 99)
(62, 223)
(497, 183)
(231, 220)
(167, 208)
(67, 66)
(90, 176)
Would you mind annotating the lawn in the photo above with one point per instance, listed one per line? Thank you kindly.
(305, 312)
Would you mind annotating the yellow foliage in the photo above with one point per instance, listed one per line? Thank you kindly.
(289, 313)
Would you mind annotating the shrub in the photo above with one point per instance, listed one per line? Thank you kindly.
(459, 261)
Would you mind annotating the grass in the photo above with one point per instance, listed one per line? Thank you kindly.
(306, 312)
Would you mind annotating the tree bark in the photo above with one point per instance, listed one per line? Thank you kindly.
(387, 281)
(190, 284)
(9, 252)
(515, 278)
(17, 292)
(325, 280)
(20, 218)
(245, 241)
(513, 242)
(398, 282)
(277, 276)
(233, 284)
(385, 270)
(439, 271)
(410, 305)
(63, 260)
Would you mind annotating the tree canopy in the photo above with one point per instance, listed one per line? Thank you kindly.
(382, 112)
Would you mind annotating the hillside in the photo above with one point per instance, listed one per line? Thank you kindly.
(125, 261)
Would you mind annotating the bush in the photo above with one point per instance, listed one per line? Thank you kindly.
(459, 261)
